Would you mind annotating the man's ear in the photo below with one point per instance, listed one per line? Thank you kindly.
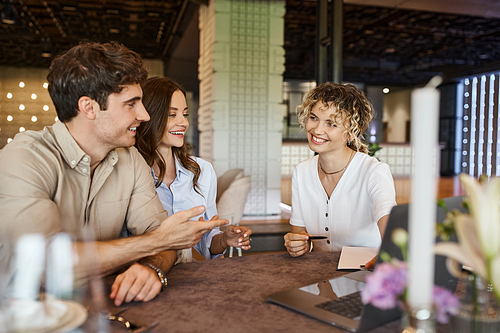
(88, 107)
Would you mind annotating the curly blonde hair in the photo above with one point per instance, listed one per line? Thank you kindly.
(351, 105)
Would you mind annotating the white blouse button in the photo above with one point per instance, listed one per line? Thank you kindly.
(85, 159)
(73, 162)
(84, 170)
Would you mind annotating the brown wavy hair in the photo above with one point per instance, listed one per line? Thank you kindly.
(94, 70)
(157, 96)
(351, 105)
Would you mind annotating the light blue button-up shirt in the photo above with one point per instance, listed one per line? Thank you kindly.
(182, 196)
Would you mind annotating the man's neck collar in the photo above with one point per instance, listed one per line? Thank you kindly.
(84, 139)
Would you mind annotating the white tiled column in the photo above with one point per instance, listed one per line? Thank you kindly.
(240, 117)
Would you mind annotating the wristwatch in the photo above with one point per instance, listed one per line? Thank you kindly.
(161, 276)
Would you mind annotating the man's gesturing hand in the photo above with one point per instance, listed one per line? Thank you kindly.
(179, 232)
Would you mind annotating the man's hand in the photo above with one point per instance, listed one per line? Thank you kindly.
(297, 243)
(237, 236)
(137, 283)
(181, 233)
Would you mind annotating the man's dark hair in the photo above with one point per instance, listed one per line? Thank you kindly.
(94, 70)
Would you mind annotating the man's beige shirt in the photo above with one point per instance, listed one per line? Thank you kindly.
(45, 187)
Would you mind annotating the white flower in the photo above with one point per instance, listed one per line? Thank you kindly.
(484, 207)
(400, 237)
(478, 233)
(468, 250)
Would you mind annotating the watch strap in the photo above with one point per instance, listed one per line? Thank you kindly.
(161, 276)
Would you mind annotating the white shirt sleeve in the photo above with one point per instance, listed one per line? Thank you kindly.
(381, 190)
(296, 218)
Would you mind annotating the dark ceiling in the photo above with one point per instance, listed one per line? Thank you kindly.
(390, 46)
(151, 28)
(382, 46)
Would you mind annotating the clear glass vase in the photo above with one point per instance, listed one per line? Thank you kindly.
(479, 311)
(421, 321)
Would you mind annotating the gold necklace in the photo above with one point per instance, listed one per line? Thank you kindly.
(339, 171)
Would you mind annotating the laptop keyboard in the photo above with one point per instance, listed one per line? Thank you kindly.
(349, 306)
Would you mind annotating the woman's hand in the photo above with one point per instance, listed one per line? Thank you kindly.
(370, 265)
(238, 236)
(297, 243)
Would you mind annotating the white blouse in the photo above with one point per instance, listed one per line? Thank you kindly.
(364, 194)
(182, 196)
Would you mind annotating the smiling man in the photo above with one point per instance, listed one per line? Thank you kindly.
(83, 176)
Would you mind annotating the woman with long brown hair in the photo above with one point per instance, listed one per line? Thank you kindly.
(182, 180)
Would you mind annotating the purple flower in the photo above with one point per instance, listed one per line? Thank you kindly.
(445, 303)
(385, 285)
(385, 289)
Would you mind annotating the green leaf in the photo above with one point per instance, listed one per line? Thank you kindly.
(385, 256)
(442, 204)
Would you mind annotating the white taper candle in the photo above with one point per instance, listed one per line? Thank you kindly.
(422, 219)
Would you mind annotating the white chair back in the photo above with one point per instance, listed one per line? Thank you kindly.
(226, 179)
(232, 201)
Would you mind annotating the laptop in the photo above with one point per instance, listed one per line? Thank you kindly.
(337, 301)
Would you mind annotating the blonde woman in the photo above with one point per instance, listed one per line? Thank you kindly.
(341, 193)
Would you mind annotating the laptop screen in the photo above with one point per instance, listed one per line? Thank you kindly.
(398, 218)
(334, 288)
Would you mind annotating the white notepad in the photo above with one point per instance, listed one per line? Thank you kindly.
(353, 257)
